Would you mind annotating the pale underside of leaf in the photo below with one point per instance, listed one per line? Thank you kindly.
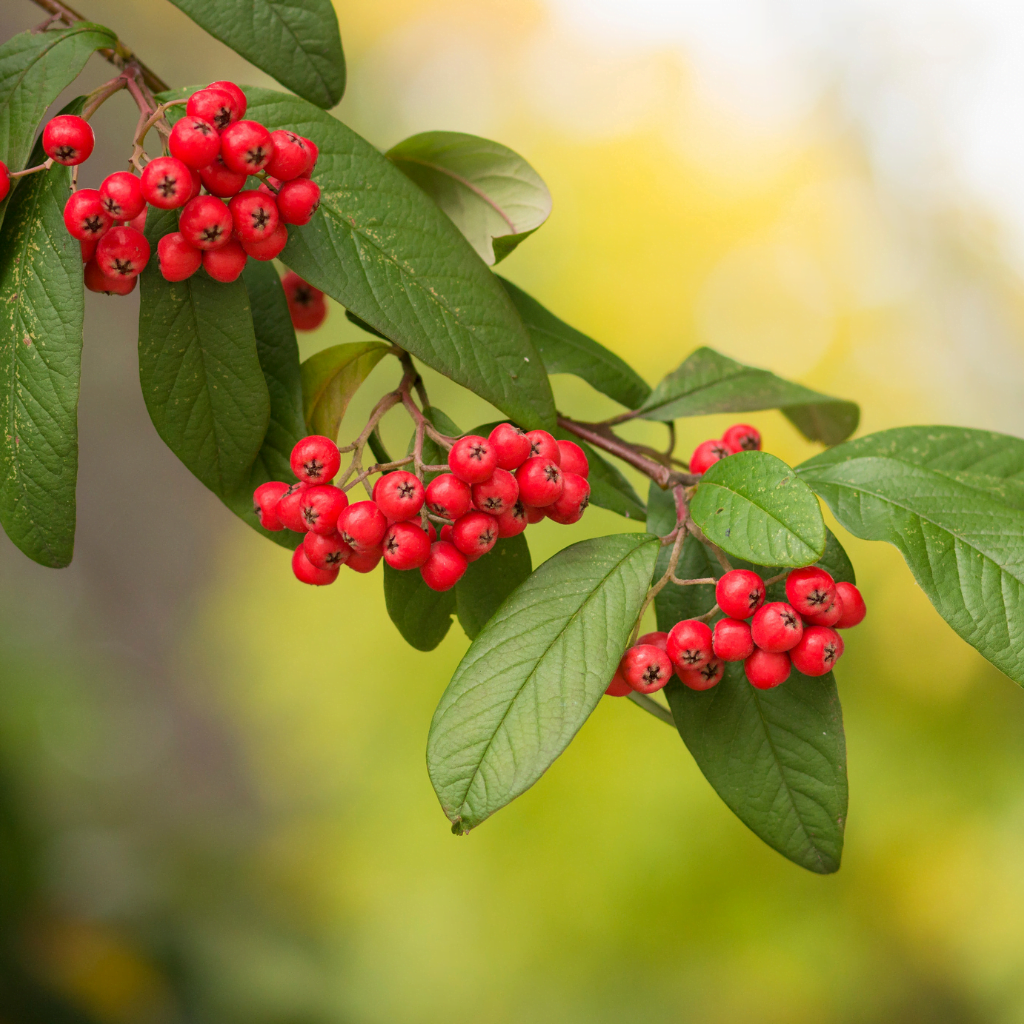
(331, 378)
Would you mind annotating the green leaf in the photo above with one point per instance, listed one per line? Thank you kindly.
(709, 382)
(200, 370)
(961, 532)
(364, 326)
(384, 250)
(41, 315)
(534, 674)
(331, 377)
(295, 41)
(608, 487)
(423, 616)
(566, 350)
(776, 757)
(494, 197)
(753, 506)
(489, 580)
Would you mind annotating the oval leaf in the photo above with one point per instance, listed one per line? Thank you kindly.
(331, 377)
(494, 197)
(489, 580)
(961, 533)
(534, 674)
(753, 506)
(776, 757)
(421, 615)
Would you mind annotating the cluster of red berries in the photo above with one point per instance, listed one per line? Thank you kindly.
(213, 152)
(496, 487)
(780, 635)
(738, 438)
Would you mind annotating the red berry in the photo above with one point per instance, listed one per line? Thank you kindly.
(445, 566)
(818, 651)
(446, 532)
(226, 263)
(646, 668)
(264, 501)
(246, 146)
(362, 526)
(326, 552)
(740, 593)
(68, 139)
(270, 248)
(706, 455)
(215, 106)
(320, 507)
(853, 608)
(122, 252)
(308, 318)
(776, 627)
(496, 494)
(298, 200)
(365, 561)
(5, 181)
(84, 216)
(810, 590)
(306, 572)
(399, 495)
(97, 281)
(406, 546)
(205, 223)
(534, 515)
(314, 150)
(289, 508)
(194, 142)
(315, 459)
(705, 677)
(474, 534)
(254, 216)
(766, 669)
(472, 459)
(540, 482)
(657, 638)
(166, 183)
(512, 521)
(569, 506)
(447, 496)
(511, 445)
(574, 459)
(139, 223)
(219, 181)
(88, 250)
(291, 155)
(618, 687)
(305, 303)
(544, 446)
(689, 644)
(732, 640)
(238, 99)
(178, 259)
(742, 438)
(829, 617)
(121, 195)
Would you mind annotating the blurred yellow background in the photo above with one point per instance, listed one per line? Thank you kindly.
(218, 805)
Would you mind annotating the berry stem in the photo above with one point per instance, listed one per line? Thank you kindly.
(652, 707)
(99, 96)
(44, 166)
(379, 467)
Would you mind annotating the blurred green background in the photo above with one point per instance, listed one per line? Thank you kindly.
(214, 805)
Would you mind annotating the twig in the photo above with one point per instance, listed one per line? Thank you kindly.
(652, 707)
(44, 166)
(99, 96)
(693, 583)
(380, 467)
(723, 561)
(673, 561)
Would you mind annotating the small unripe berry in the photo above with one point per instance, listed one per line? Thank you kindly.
(264, 501)
(445, 566)
(289, 508)
(122, 252)
(194, 142)
(776, 627)
(544, 446)
(742, 438)
(320, 507)
(569, 506)
(689, 644)
(399, 495)
(472, 459)
(298, 200)
(853, 606)
(818, 651)
(5, 181)
(732, 640)
(97, 281)
(121, 196)
(447, 496)
(84, 216)
(166, 183)
(573, 459)
(315, 459)
(254, 216)
(540, 482)
(178, 259)
(496, 494)
(68, 139)
(326, 552)
(646, 668)
(238, 100)
(291, 155)
(705, 677)
(306, 572)
(270, 248)
(406, 546)
(706, 455)
(740, 593)
(306, 304)
(474, 534)
(246, 146)
(226, 263)
(214, 106)
(534, 515)
(219, 180)
(365, 561)
(362, 525)
(765, 669)
(205, 223)
(810, 590)
(511, 445)
(828, 616)
(512, 521)
(618, 687)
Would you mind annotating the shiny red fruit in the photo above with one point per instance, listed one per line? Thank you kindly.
(306, 572)
(818, 651)
(122, 252)
(320, 507)
(291, 155)
(326, 552)
(194, 141)
(238, 100)
(689, 644)
(178, 260)
(573, 459)
(289, 508)
(499, 492)
(246, 146)
(512, 521)
(705, 677)
(121, 196)
(68, 139)
(84, 216)
(853, 607)
(472, 459)
(544, 446)
(166, 183)
(740, 593)
(731, 640)
(646, 668)
(226, 263)
(776, 627)
(540, 482)
(742, 438)
(217, 106)
(618, 687)
(706, 454)
(447, 496)
(474, 534)
(264, 501)
(444, 567)
(298, 200)
(406, 546)
(511, 445)
(569, 506)
(205, 223)
(399, 495)
(270, 248)
(219, 180)
(810, 590)
(97, 281)
(254, 216)
(766, 669)
(365, 561)
(315, 459)
(362, 525)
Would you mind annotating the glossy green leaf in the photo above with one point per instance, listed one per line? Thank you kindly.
(295, 41)
(566, 350)
(608, 487)
(494, 197)
(422, 615)
(41, 315)
(961, 532)
(489, 580)
(776, 757)
(753, 506)
(331, 377)
(385, 251)
(534, 674)
(200, 370)
(709, 382)
(363, 325)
